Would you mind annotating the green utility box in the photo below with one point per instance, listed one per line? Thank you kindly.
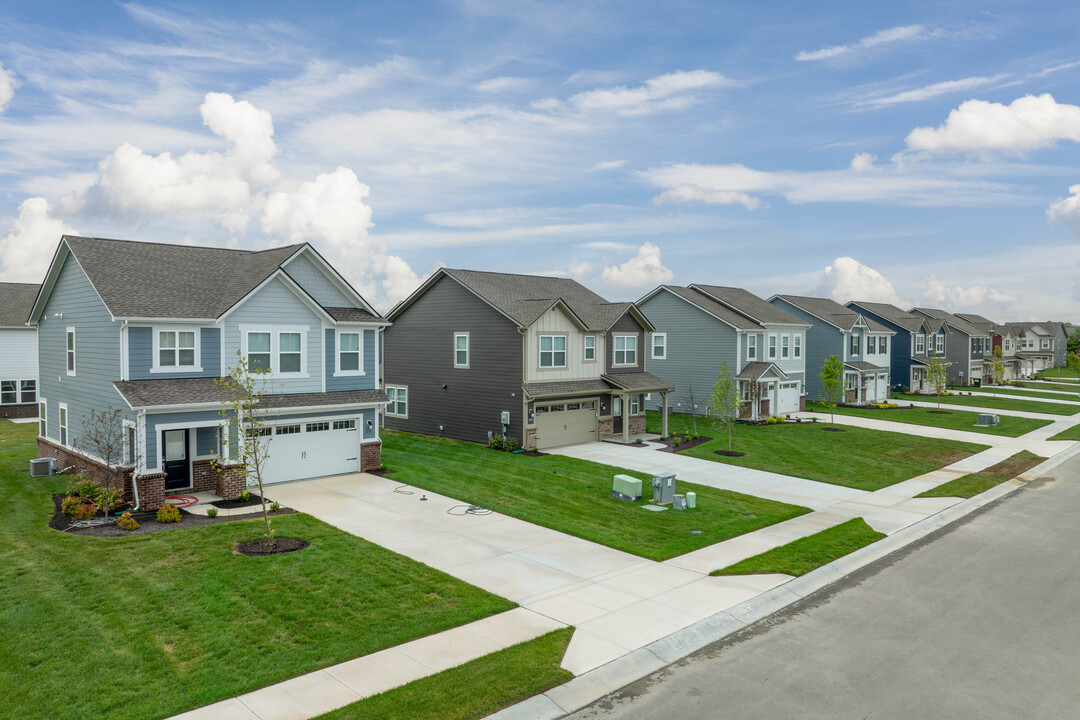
(626, 488)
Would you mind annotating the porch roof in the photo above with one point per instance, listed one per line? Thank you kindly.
(755, 370)
(863, 366)
(565, 387)
(641, 381)
(204, 391)
(925, 360)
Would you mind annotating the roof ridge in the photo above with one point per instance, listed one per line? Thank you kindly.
(182, 245)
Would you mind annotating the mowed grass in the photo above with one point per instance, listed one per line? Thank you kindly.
(1061, 373)
(809, 553)
(148, 626)
(856, 458)
(1072, 433)
(574, 496)
(1010, 425)
(1013, 392)
(976, 483)
(994, 403)
(473, 690)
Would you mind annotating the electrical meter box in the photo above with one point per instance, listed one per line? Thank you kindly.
(663, 488)
(626, 488)
(505, 417)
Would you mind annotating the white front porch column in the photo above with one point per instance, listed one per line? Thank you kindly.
(663, 417)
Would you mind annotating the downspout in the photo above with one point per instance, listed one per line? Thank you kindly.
(135, 471)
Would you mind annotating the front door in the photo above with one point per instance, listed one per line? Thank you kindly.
(174, 459)
(616, 415)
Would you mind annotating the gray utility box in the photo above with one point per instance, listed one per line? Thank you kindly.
(663, 488)
(42, 467)
(680, 502)
(986, 420)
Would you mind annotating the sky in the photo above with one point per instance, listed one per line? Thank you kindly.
(920, 153)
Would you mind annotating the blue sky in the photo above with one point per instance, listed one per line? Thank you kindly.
(918, 153)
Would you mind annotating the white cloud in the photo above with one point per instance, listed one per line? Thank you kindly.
(692, 193)
(398, 280)
(645, 268)
(863, 162)
(664, 92)
(904, 33)
(8, 84)
(1067, 210)
(957, 297)
(848, 279)
(608, 165)
(608, 246)
(977, 126)
(932, 91)
(502, 85)
(328, 85)
(28, 247)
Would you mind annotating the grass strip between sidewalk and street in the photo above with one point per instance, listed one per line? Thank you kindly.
(809, 553)
(993, 403)
(1009, 425)
(1012, 392)
(1072, 433)
(1060, 374)
(473, 690)
(976, 483)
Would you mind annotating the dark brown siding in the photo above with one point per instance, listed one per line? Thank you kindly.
(626, 324)
(419, 353)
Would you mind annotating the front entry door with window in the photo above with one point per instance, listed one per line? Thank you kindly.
(616, 415)
(174, 459)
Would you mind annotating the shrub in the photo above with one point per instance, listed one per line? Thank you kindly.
(496, 442)
(813, 419)
(676, 441)
(211, 512)
(83, 511)
(275, 506)
(70, 504)
(82, 486)
(126, 522)
(245, 495)
(774, 420)
(637, 441)
(511, 444)
(168, 513)
(108, 499)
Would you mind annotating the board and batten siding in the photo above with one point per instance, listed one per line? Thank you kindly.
(556, 322)
(822, 341)
(697, 345)
(314, 281)
(97, 354)
(18, 354)
(626, 325)
(275, 306)
(141, 354)
(419, 354)
(351, 382)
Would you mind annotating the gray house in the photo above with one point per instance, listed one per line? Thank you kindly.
(702, 327)
(540, 359)
(966, 346)
(146, 328)
(860, 342)
(1060, 341)
(915, 341)
(1036, 349)
(18, 351)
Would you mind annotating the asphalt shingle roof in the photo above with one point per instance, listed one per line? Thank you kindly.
(754, 370)
(985, 326)
(863, 366)
(832, 312)
(750, 304)
(192, 391)
(949, 319)
(565, 387)
(16, 302)
(706, 303)
(352, 315)
(893, 314)
(637, 381)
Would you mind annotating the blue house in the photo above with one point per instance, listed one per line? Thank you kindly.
(917, 339)
(145, 329)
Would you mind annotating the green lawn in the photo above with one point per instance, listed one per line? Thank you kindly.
(1011, 391)
(1061, 386)
(856, 458)
(473, 690)
(992, 402)
(976, 483)
(148, 626)
(1072, 433)
(574, 496)
(1061, 373)
(1010, 425)
(809, 553)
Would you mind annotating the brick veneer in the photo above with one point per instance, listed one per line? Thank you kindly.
(18, 412)
(850, 396)
(605, 428)
(530, 438)
(224, 480)
(370, 456)
(637, 425)
(802, 403)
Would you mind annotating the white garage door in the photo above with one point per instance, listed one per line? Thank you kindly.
(306, 449)
(560, 424)
(882, 388)
(787, 400)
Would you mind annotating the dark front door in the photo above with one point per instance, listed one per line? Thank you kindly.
(174, 459)
(616, 415)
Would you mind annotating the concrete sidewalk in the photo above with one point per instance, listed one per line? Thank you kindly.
(993, 411)
(1068, 398)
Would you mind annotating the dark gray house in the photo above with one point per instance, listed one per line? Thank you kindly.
(540, 359)
(916, 339)
(18, 351)
(966, 346)
(860, 342)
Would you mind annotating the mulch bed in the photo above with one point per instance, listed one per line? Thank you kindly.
(729, 453)
(533, 453)
(684, 444)
(262, 546)
(939, 412)
(233, 504)
(381, 472)
(60, 521)
(829, 429)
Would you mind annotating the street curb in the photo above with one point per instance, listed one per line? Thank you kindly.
(589, 687)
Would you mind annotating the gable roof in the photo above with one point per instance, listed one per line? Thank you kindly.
(706, 303)
(832, 312)
(949, 319)
(154, 280)
(1022, 327)
(754, 370)
(16, 302)
(749, 304)
(891, 313)
(985, 326)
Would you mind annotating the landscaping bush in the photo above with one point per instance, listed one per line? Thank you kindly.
(82, 486)
(71, 504)
(108, 499)
(637, 441)
(496, 442)
(211, 512)
(126, 522)
(244, 496)
(169, 513)
(83, 511)
(275, 506)
(774, 420)
(676, 441)
(511, 444)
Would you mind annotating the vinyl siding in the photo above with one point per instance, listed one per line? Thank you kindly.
(97, 354)
(18, 354)
(556, 322)
(418, 353)
(276, 305)
(626, 325)
(822, 340)
(793, 367)
(900, 349)
(153, 435)
(308, 276)
(141, 354)
(206, 441)
(698, 344)
(351, 382)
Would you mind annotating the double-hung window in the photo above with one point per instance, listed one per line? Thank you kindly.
(798, 345)
(883, 345)
(854, 344)
(939, 344)
(751, 347)
(659, 346)
(63, 424)
(635, 404)
(275, 351)
(258, 351)
(290, 352)
(772, 347)
(590, 347)
(625, 350)
(176, 350)
(920, 344)
(461, 350)
(43, 418)
(9, 392)
(871, 345)
(785, 341)
(1045, 344)
(552, 351)
(71, 351)
(399, 400)
(348, 355)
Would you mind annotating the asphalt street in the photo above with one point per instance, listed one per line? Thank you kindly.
(980, 620)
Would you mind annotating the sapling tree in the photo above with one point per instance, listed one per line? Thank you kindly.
(725, 401)
(105, 437)
(937, 374)
(832, 384)
(245, 387)
(1073, 361)
(997, 368)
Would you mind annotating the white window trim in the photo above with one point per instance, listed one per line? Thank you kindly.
(74, 344)
(939, 343)
(63, 419)
(157, 367)
(785, 347)
(796, 346)
(585, 349)
(388, 412)
(614, 349)
(338, 372)
(635, 404)
(275, 347)
(855, 346)
(920, 339)
(540, 351)
(772, 347)
(652, 351)
(468, 350)
(43, 417)
(126, 450)
(883, 345)
(751, 347)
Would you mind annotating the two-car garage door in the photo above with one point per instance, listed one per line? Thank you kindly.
(560, 424)
(307, 449)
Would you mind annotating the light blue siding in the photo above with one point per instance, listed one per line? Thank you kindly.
(206, 441)
(350, 382)
(312, 279)
(141, 355)
(154, 420)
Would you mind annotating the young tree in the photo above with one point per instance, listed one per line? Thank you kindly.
(753, 398)
(1073, 361)
(245, 387)
(997, 368)
(105, 437)
(832, 380)
(725, 401)
(937, 374)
